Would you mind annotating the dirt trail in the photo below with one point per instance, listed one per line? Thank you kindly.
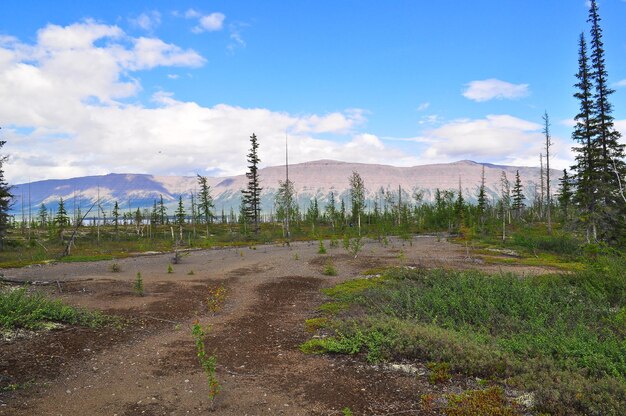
(150, 367)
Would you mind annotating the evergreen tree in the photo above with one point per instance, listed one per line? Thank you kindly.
(611, 162)
(459, 205)
(586, 176)
(116, 216)
(565, 194)
(342, 212)
(138, 217)
(357, 198)
(162, 212)
(482, 197)
(205, 202)
(61, 220)
(154, 214)
(313, 213)
(331, 209)
(252, 194)
(180, 213)
(5, 200)
(43, 215)
(518, 195)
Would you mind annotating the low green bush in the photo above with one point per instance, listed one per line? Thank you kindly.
(20, 309)
(561, 336)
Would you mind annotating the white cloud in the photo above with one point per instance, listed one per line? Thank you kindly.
(61, 98)
(151, 52)
(621, 83)
(490, 89)
(208, 23)
(499, 139)
(423, 106)
(147, 21)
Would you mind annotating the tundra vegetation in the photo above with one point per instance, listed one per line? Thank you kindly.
(560, 337)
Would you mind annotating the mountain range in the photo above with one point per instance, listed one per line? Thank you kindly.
(311, 179)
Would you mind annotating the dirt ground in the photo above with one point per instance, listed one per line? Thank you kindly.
(149, 366)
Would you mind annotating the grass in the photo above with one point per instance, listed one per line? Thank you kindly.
(20, 309)
(560, 336)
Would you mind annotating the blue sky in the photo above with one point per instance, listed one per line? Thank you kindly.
(177, 87)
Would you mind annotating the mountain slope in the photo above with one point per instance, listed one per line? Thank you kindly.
(311, 179)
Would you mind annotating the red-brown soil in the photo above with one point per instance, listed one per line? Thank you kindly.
(149, 366)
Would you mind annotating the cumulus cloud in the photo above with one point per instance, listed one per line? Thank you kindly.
(621, 83)
(71, 108)
(490, 89)
(500, 139)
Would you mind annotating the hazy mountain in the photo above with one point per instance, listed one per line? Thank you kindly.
(311, 179)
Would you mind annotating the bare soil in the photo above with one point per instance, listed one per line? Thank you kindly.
(149, 366)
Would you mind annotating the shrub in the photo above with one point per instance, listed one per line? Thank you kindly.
(322, 249)
(329, 269)
(138, 285)
(20, 309)
(208, 362)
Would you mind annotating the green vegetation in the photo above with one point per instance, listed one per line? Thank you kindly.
(208, 362)
(321, 249)
(20, 309)
(138, 285)
(329, 269)
(562, 337)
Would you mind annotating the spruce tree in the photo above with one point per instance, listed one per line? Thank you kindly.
(154, 214)
(331, 209)
(5, 200)
(586, 176)
(116, 216)
(205, 202)
(565, 194)
(180, 213)
(518, 195)
(162, 211)
(482, 197)
(252, 194)
(459, 205)
(43, 215)
(611, 161)
(61, 220)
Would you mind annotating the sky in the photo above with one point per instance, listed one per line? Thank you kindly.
(177, 88)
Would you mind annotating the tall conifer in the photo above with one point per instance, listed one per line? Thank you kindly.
(586, 176)
(252, 194)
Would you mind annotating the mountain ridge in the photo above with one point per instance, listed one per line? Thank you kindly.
(311, 179)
